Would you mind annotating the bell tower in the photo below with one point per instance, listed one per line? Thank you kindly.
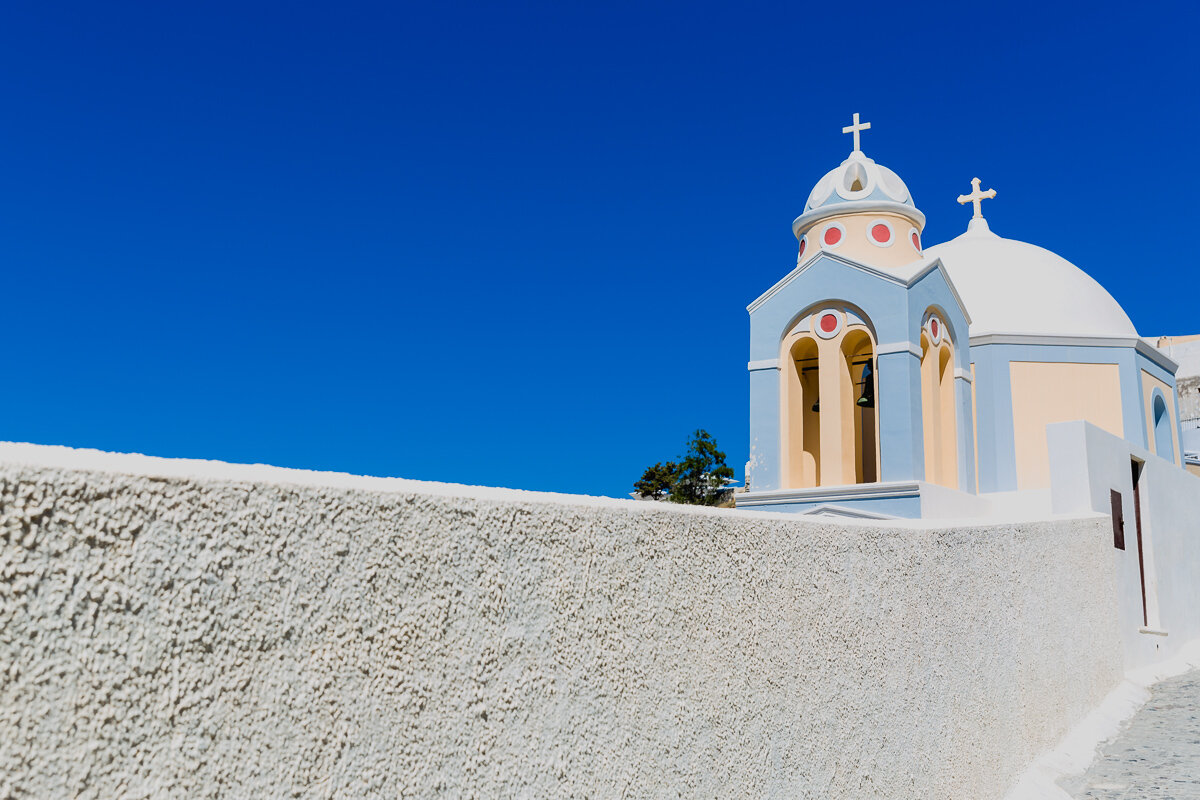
(844, 348)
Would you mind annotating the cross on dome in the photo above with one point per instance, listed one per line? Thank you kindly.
(856, 128)
(977, 197)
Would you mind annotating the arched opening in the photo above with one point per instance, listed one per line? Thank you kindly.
(937, 408)
(802, 430)
(858, 361)
(1164, 443)
(949, 456)
(829, 424)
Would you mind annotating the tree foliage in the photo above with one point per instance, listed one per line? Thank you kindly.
(698, 478)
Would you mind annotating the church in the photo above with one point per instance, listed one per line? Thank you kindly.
(892, 379)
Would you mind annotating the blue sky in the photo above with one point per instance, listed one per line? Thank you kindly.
(512, 244)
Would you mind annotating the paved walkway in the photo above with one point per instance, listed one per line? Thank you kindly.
(1157, 755)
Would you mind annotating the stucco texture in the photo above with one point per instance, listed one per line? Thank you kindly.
(172, 636)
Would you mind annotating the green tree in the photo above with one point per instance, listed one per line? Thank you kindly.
(657, 481)
(699, 478)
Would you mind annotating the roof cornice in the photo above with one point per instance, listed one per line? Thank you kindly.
(1136, 342)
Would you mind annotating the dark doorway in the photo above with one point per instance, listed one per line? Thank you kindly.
(1136, 469)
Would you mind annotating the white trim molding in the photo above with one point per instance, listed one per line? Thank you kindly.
(766, 363)
(827, 510)
(829, 494)
(898, 347)
(1141, 345)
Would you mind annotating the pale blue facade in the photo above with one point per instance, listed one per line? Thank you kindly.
(993, 391)
(1000, 302)
(894, 309)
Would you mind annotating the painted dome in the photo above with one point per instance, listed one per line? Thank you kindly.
(1012, 287)
(858, 184)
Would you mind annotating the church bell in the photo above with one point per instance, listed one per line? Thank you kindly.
(867, 398)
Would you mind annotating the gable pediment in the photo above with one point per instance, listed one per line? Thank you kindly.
(903, 278)
(818, 259)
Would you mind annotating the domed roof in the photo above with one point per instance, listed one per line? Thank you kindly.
(858, 184)
(1016, 288)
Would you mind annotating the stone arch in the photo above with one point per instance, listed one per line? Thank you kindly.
(938, 400)
(844, 305)
(937, 310)
(801, 414)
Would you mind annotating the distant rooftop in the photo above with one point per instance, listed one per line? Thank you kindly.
(1183, 349)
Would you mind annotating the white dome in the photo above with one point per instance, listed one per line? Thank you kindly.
(1012, 287)
(858, 178)
(858, 184)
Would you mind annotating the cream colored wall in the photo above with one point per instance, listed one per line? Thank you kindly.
(938, 413)
(857, 246)
(837, 425)
(946, 407)
(1149, 384)
(800, 424)
(1045, 393)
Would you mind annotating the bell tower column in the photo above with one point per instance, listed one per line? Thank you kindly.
(836, 394)
(901, 449)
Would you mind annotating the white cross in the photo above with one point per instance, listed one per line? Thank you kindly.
(976, 197)
(855, 129)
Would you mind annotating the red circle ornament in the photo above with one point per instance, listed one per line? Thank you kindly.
(833, 235)
(803, 242)
(829, 323)
(916, 241)
(881, 233)
(933, 328)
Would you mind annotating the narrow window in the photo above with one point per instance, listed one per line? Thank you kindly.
(1118, 519)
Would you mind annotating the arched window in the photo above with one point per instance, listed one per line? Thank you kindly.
(829, 420)
(802, 418)
(1164, 442)
(858, 355)
(937, 404)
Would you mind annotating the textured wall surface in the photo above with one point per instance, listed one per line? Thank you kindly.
(171, 636)
(1189, 398)
(1088, 463)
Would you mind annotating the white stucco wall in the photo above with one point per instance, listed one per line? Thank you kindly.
(1086, 463)
(183, 629)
